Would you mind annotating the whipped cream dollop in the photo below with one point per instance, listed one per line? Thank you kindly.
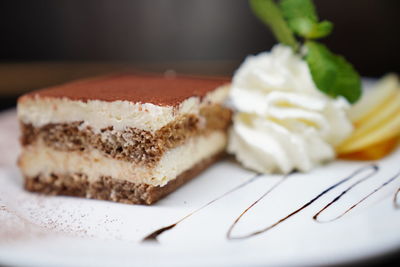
(283, 122)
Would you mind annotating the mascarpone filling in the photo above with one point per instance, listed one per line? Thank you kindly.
(40, 111)
(39, 159)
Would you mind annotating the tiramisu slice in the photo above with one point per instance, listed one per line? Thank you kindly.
(128, 138)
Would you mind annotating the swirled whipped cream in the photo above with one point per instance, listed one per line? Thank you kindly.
(283, 122)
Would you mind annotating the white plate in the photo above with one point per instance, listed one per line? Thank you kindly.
(64, 231)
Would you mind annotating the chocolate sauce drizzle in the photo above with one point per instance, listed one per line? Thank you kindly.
(395, 199)
(315, 217)
(366, 172)
(153, 236)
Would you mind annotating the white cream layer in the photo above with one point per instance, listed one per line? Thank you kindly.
(119, 114)
(40, 159)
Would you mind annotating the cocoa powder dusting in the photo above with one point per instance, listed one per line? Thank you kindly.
(134, 87)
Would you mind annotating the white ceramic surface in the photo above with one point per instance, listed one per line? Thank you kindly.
(65, 231)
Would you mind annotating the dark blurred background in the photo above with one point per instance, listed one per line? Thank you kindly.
(45, 42)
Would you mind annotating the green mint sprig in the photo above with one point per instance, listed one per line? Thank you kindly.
(303, 20)
(331, 73)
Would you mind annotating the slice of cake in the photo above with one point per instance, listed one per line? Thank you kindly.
(130, 138)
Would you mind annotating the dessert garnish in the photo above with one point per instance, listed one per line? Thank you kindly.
(331, 73)
(292, 102)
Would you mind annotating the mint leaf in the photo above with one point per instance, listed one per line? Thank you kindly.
(310, 30)
(303, 19)
(331, 73)
(298, 9)
(320, 30)
(269, 13)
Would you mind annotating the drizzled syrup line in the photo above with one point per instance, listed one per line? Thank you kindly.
(395, 199)
(315, 217)
(153, 236)
(228, 234)
(373, 168)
